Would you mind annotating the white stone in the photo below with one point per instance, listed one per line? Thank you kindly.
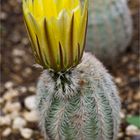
(6, 132)
(3, 15)
(132, 130)
(122, 115)
(31, 116)
(118, 80)
(14, 114)
(32, 89)
(28, 71)
(30, 102)
(22, 89)
(25, 41)
(5, 120)
(26, 133)
(18, 52)
(120, 135)
(8, 85)
(10, 94)
(17, 60)
(18, 123)
(11, 107)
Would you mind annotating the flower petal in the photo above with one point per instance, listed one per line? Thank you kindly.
(49, 7)
(83, 27)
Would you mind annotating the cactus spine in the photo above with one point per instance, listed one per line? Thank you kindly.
(109, 28)
(80, 104)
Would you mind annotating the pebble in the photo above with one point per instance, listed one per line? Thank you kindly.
(31, 116)
(6, 132)
(15, 37)
(18, 52)
(3, 15)
(19, 123)
(133, 106)
(26, 133)
(5, 120)
(120, 135)
(11, 107)
(32, 89)
(132, 130)
(118, 80)
(22, 89)
(10, 94)
(124, 59)
(28, 71)
(14, 114)
(137, 96)
(8, 85)
(122, 115)
(17, 60)
(25, 41)
(30, 102)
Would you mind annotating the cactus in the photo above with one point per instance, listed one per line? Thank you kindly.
(81, 104)
(109, 28)
(76, 98)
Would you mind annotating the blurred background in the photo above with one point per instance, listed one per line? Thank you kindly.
(18, 120)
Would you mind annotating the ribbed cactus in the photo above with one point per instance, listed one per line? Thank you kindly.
(81, 104)
(109, 28)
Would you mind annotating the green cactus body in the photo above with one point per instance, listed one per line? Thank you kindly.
(109, 28)
(80, 104)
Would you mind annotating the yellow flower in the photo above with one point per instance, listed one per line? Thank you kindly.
(57, 30)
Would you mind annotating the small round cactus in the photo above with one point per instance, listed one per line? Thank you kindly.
(81, 104)
(109, 28)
